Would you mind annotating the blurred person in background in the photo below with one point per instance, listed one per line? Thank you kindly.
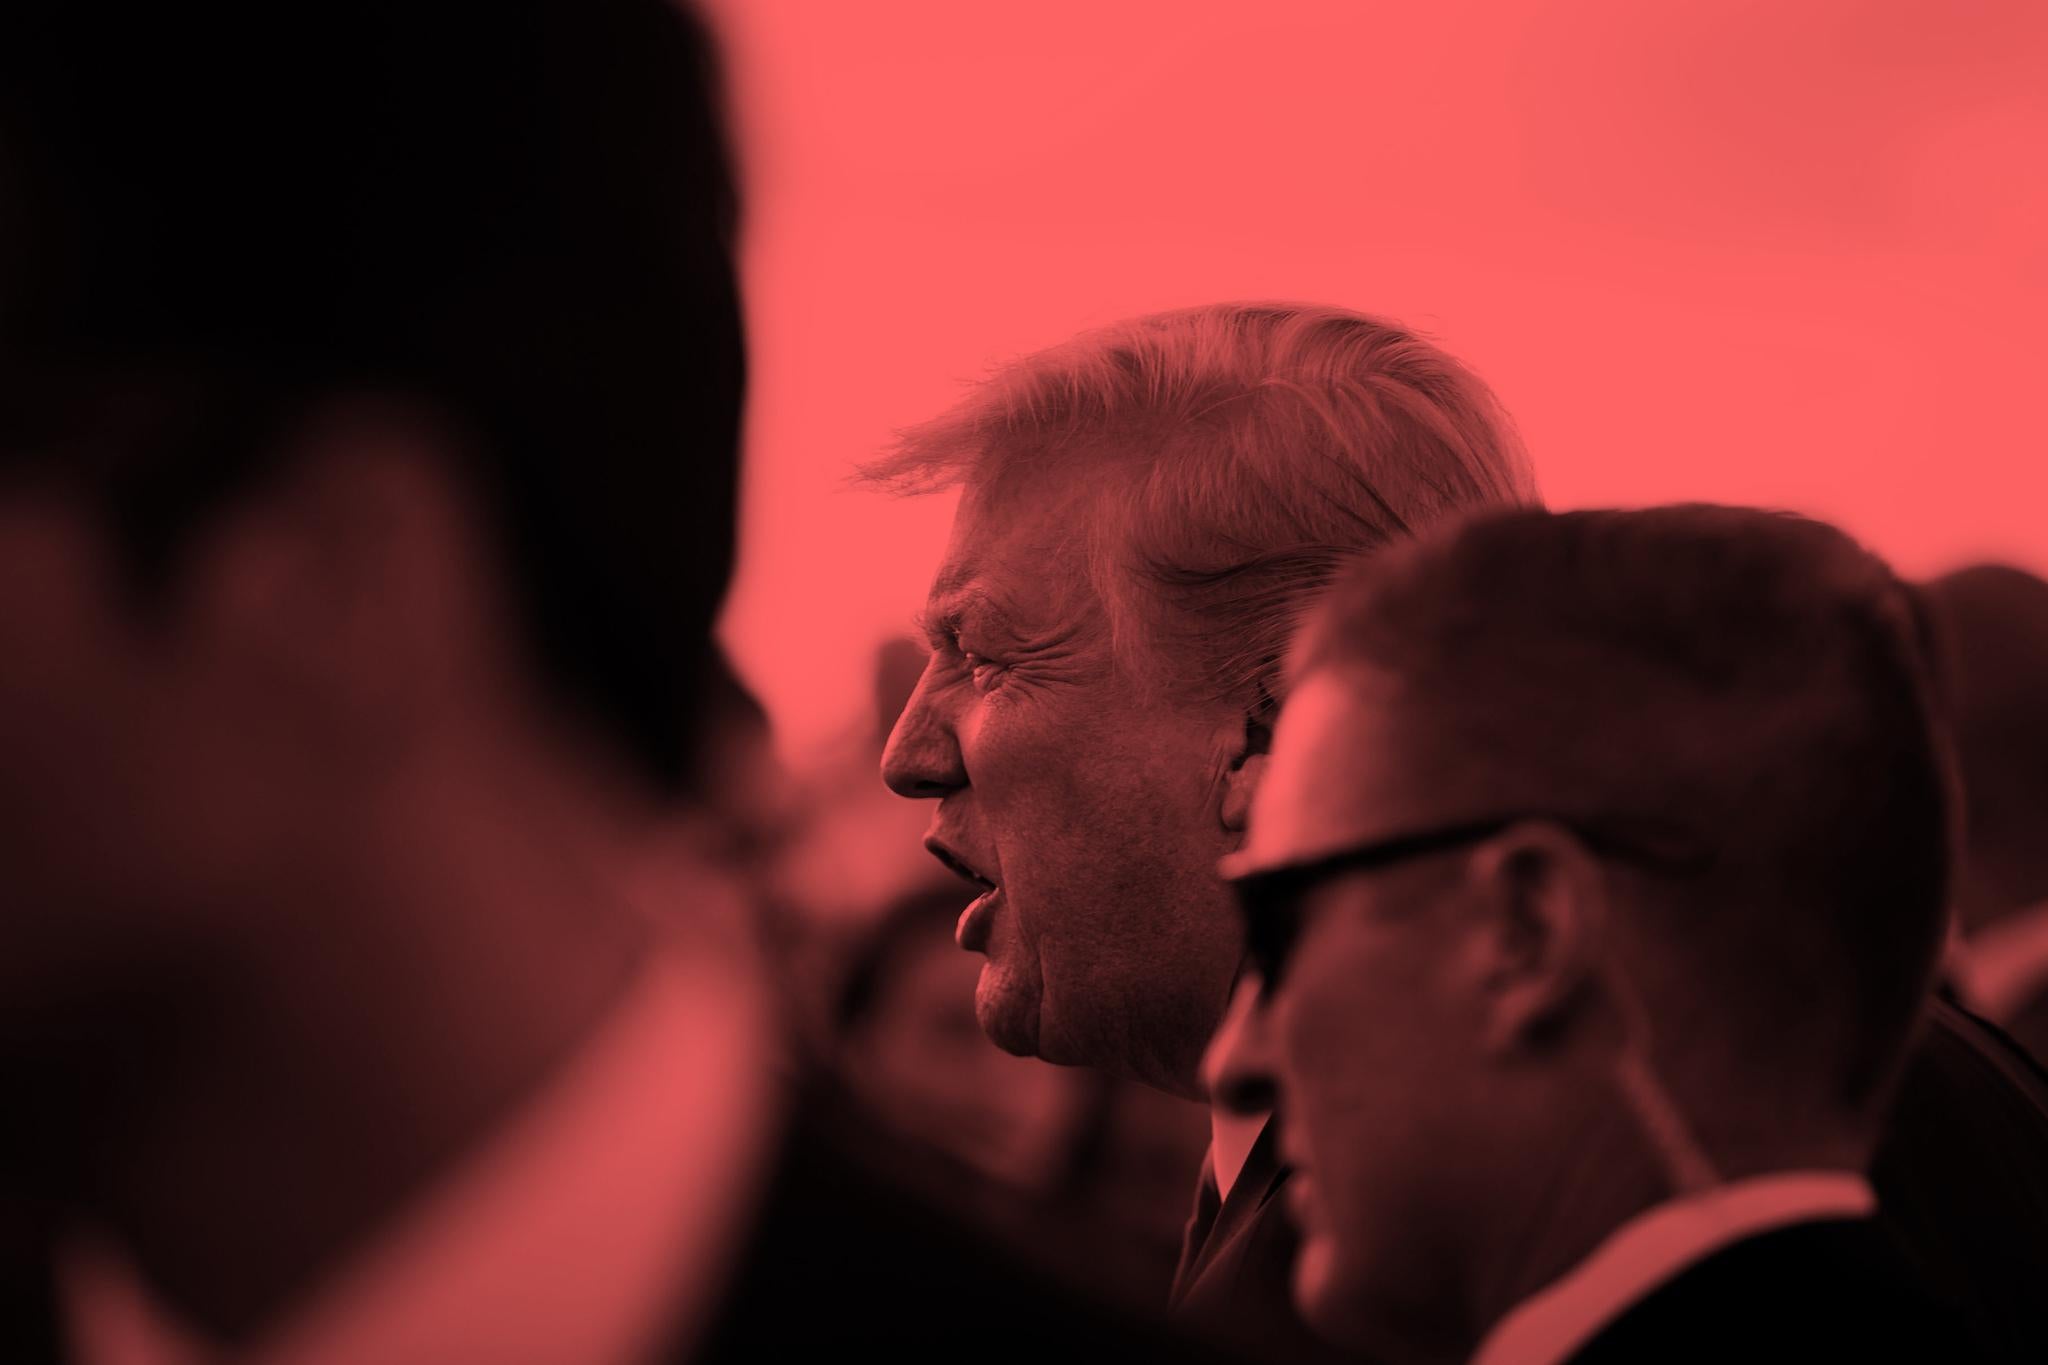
(909, 1042)
(850, 852)
(370, 389)
(738, 786)
(1991, 624)
(1595, 887)
(1147, 512)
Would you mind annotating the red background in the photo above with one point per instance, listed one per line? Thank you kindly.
(1783, 253)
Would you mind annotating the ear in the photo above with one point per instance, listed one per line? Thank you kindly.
(1247, 767)
(1543, 904)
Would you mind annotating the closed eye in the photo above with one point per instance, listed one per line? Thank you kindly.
(986, 673)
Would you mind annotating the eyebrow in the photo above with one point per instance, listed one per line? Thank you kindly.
(950, 609)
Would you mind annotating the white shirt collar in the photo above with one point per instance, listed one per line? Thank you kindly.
(1655, 1247)
(1231, 1139)
(2001, 966)
(588, 1229)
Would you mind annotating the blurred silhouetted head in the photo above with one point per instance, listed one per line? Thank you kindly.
(369, 375)
(908, 1038)
(1585, 837)
(1991, 629)
(515, 217)
(1146, 512)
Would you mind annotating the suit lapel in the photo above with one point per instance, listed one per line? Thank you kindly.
(1217, 1224)
(1195, 1237)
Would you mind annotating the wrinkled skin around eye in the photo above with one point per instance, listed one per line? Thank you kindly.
(1090, 799)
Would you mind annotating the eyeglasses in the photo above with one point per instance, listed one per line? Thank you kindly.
(1270, 899)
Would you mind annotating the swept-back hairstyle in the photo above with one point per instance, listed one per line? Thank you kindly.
(1233, 455)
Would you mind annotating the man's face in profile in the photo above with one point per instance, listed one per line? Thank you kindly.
(1084, 804)
(1361, 1032)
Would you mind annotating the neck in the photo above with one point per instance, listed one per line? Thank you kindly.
(1604, 1175)
(1608, 1176)
(425, 977)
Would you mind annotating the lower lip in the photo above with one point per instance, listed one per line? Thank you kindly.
(971, 933)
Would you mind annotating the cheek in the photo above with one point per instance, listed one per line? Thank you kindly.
(1067, 778)
(1359, 1067)
(1105, 826)
(1374, 1067)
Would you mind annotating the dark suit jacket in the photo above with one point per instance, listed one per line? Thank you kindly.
(1232, 1286)
(2028, 1024)
(28, 1298)
(861, 1248)
(1962, 1178)
(1825, 1291)
(1962, 1181)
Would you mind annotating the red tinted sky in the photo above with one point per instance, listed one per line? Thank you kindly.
(1781, 253)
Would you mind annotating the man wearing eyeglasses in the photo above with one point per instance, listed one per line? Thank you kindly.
(1595, 885)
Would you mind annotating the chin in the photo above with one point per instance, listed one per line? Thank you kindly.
(1329, 1302)
(1009, 1017)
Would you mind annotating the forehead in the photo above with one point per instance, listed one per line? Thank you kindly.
(1016, 551)
(1339, 768)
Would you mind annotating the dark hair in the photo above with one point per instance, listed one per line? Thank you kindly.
(1747, 682)
(1990, 623)
(519, 213)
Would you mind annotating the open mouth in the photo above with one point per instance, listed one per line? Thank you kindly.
(958, 865)
(974, 930)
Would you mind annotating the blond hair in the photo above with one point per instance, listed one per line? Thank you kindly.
(1238, 454)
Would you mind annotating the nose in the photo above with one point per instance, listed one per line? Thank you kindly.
(1238, 1067)
(922, 758)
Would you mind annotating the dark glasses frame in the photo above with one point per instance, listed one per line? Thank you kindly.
(1269, 899)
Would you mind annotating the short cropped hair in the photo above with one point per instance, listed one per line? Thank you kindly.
(1238, 453)
(1749, 685)
(519, 215)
